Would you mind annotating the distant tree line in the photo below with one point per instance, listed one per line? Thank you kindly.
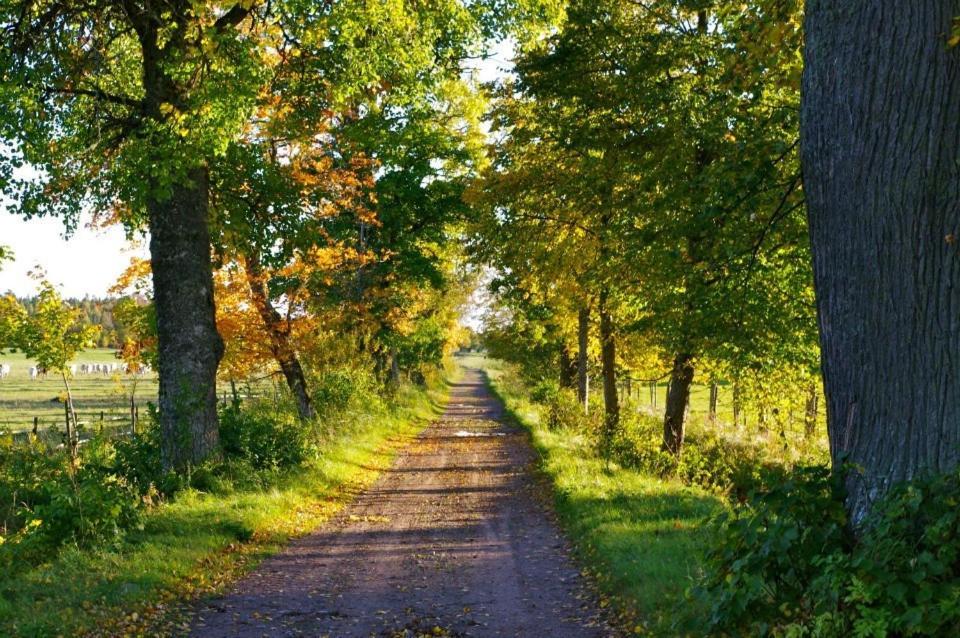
(95, 311)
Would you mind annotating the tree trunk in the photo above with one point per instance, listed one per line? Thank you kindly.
(568, 369)
(72, 442)
(714, 392)
(279, 335)
(880, 132)
(810, 416)
(583, 345)
(608, 358)
(681, 377)
(394, 367)
(189, 346)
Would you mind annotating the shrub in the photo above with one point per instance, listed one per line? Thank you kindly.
(264, 438)
(769, 563)
(24, 471)
(545, 393)
(787, 564)
(336, 389)
(86, 507)
(905, 572)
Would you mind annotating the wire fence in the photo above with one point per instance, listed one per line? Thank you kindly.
(51, 429)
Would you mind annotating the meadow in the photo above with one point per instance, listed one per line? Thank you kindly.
(97, 397)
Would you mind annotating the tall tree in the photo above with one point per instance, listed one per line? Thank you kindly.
(880, 132)
(122, 106)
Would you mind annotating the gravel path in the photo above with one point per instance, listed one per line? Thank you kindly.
(452, 541)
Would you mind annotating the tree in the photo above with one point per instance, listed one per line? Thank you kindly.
(122, 106)
(880, 127)
(53, 335)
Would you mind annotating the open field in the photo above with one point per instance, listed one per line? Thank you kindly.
(95, 396)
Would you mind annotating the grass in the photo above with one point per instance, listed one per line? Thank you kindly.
(197, 544)
(100, 400)
(94, 395)
(639, 536)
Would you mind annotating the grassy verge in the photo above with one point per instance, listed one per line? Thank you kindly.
(639, 536)
(199, 543)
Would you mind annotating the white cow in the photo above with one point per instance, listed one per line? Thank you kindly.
(34, 373)
(4, 370)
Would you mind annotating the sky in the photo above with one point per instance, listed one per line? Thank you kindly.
(86, 264)
(89, 262)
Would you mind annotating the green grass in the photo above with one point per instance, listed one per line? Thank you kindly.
(639, 536)
(22, 399)
(100, 400)
(200, 542)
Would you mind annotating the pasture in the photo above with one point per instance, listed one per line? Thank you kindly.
(96, 396)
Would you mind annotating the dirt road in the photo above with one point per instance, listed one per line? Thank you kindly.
(452, 541)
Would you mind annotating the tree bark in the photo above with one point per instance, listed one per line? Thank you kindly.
(189, 347)
(279, 335)
(568, 369)
(608, 359)
(880, 127)
(714, 395)
(72, 424)
(583, 345)
(678, 395)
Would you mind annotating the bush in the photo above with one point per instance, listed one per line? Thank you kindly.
(905, 572)
(708, 460)
(787, 564)
(24, 471)
(336, 389)
(545, 393)
(768, 565)
(86, 507)
(264, 438)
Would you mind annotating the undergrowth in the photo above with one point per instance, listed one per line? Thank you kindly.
(113, 546)
(742, 536)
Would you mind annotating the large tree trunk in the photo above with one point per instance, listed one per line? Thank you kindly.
(678, 395)
(278, 333)
(880, 132)
(608, 359)
(583, 346)
(189, 347)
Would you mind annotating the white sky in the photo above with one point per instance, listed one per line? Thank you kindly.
(86, 264)
(89, 262)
